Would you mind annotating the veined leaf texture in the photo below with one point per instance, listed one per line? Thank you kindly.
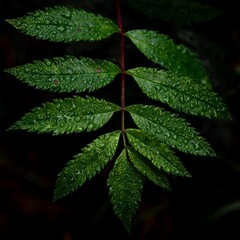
(86, 164)
(67, 74)
(65, 24)
(68, 115)
(180, 92)
(125, 187)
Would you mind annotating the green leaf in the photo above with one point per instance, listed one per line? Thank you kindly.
(170, 129)
(158, 153)
(180, 92)
(66, 74)
(144, 166)
(86, 164)
(126, 185)
(175, 11)
(64, 116)
(162, 50)
(65, 24)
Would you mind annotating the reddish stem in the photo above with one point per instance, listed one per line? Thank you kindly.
(119, 17)
(122, 64)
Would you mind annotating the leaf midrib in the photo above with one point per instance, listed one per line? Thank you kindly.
(182, 92)
(164, 127)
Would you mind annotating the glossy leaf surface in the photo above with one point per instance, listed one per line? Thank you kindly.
(171, 129)
(67, 74)
(125, 187)
(65, 24)
(144, 166)
(64, 116)
(160, 49)
(86, 164)
(180, 92)
(158, 153)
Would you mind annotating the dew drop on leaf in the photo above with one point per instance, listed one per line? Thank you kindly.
(47, 62)
(27, 70)
(98, 70)
(47, 22)
(90, 126)
(61, 28)
(37, 14)
(66, 14)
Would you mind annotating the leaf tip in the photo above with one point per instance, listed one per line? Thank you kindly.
(12, 127)
(56, 196)
(12, 21)
(8, 70)
(7, 20)
(58, 192)
(127, 227)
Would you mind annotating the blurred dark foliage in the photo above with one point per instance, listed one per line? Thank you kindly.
(204, 206)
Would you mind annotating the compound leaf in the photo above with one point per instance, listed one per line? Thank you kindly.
(158, 153)
(162, 50)
(144, 166)
(125, 187)
(66, 74)
(180, 92)
(169, 128)
(64, 116)
(175, 11)
(65, 24)
(86, 164)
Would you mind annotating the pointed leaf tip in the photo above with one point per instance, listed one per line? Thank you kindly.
(67, 74)
(180, 92)
(68, 115)
(171, 129)
(145, 166)
(125, 187)
(86, 164)
(158, 153)
(162, 50)
(65, 24)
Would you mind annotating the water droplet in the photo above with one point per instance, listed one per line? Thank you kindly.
(47, 22)
(66, 14)
(61, 28)
(48, 62)
(37, 14)
(90, 127)
(16, 23)
(27, 69)
(98, 70)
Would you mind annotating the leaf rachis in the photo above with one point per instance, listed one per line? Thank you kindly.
(122, 64)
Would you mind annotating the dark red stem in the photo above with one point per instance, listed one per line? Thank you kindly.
(122, 64)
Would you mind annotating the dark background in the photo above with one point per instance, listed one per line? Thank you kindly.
(204, 206)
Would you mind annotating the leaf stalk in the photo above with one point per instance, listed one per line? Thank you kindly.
(122, 66)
